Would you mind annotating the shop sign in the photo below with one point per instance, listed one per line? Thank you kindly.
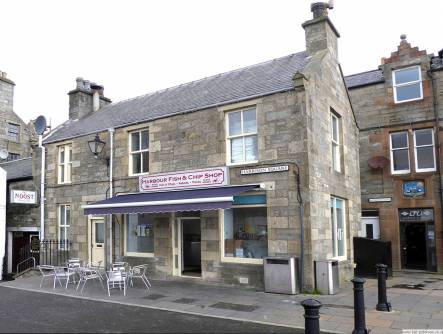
(416, 215)
(262, 170)
(200, 178)
(23, 197)
(414, 188)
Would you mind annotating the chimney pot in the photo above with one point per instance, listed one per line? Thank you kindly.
(320, 9)
(87, 85)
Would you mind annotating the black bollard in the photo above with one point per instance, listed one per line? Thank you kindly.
(359, 306)
(312, 316)
(382, 274)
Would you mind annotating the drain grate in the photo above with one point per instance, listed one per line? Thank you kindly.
(339, 306)
(234, 307)
(409, 286)
(154, 296)
(185, 301)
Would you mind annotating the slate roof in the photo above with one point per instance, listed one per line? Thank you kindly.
(18, 169)
(245, 83)
(364, 78)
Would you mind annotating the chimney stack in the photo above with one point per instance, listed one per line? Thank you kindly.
(320, 33)
(85, 99)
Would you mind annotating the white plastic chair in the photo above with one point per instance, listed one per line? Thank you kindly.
(116, 278)
(139, 272)
(87, 274)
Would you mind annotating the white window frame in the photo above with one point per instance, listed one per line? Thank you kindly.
(402, 171)
(423, 170)
(335, 143)
(241, 135)
(334, 226)
(125, 242)
(66, 224)
(394, 84)
(17, 133)
(66, 166)
(140, 151)
(229, 259)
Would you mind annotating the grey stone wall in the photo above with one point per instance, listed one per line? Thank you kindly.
(7, 115)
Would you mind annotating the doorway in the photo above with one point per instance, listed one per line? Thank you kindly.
(413, 245)
(190, 236)
(97, 240)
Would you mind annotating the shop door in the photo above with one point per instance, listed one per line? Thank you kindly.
(413, 245)
(97, 240)
(190, 247)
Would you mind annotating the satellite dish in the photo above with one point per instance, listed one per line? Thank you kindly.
(3, 154)
(40, 125)
(378, 162)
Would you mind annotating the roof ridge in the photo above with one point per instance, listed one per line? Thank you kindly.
(202, 79)
(351, 75)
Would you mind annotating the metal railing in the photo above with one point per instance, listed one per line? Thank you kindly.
(55, 252)
(26, 264)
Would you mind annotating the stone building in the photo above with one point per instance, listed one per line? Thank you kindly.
(399, 107)
(22, 212)
(15, 135)
(201, 179)
(16, 141)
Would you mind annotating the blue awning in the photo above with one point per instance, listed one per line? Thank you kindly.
(170, 201)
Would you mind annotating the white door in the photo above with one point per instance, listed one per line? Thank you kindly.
(98, 240)
(370, 227)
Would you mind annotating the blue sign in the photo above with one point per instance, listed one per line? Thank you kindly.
(414, 188)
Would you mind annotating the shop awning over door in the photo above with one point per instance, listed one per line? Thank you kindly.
(170, 201)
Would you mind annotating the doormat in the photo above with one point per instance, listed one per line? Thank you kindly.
(154, 296)
(235, 307)
(185, 301)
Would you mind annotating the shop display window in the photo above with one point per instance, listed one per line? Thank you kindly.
(246, 233)
(139, 234)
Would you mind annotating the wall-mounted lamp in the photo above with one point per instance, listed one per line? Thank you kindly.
(96, 146)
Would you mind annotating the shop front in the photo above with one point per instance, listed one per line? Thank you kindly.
(417, 239)
(191, 224)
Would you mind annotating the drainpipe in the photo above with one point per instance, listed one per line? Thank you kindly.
(302, 230)
(437, 127)
(42, 188)
(111, 158)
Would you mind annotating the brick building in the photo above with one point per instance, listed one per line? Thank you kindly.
(246, 135)
(399, 107)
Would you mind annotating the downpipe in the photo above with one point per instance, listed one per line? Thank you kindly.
(111, 160)
(42, 187)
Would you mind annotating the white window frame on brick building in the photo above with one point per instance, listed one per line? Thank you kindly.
(64, 163)
(335, 142)
(400, 84)
(400, 148)
(240, 134)
(14, 132)
(228, 215)
(141, 151)
(338, 234)
(64, 224)
(430, 145)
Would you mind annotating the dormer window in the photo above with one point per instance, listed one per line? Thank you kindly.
(407, 84)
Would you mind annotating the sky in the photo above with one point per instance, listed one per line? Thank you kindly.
(134, 47)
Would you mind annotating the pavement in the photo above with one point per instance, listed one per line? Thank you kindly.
(36, 312)
(416, 300)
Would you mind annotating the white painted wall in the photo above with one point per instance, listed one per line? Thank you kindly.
(2, 218)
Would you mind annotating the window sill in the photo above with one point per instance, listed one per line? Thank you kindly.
(237, 164)
(339, 258)
(411, 100)
(64, 183)
(431, 170)
(137, 175)
(401, 173)
(241, 260)
(130, 254)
